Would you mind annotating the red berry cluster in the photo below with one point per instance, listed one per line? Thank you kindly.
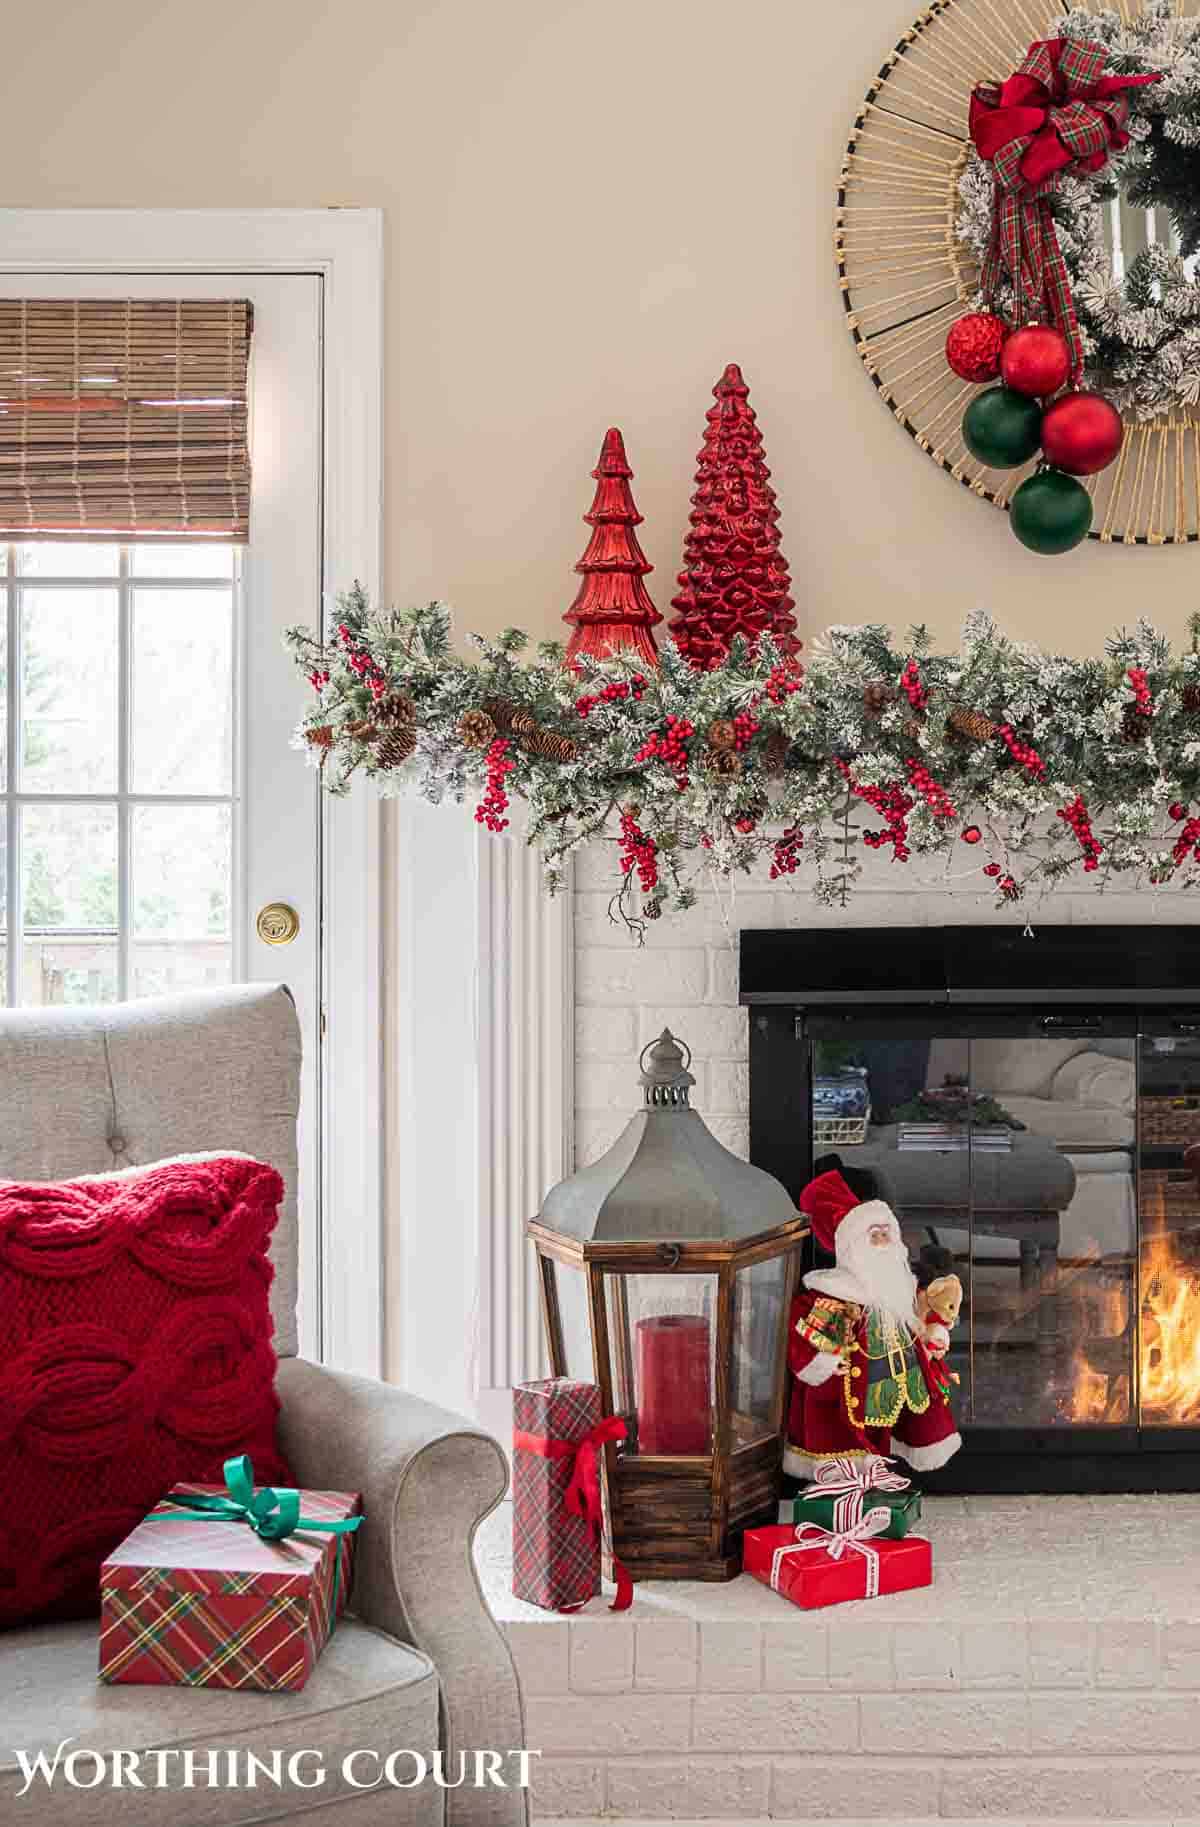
(971, 834)
(936, 797)
(1005, 883)
(1076, 815)
(786, 858)
(495, 800)
(783, 680)
(1189, 837)
(1021, 751)
(670, 745)
(638, 852)
(745, 729)
(893, 805)
(911, 686)
(318, 679)
(612, 693)
(1142, 700)
(360, 661)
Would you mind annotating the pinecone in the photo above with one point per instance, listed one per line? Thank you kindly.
(396, 710)
(1134, 726)
(722, 734)
(756, 806)
(652, 910)
(363, 730)
(876, 699)
(501, 711)
(397, 745)
(912, 728)
(1191, 699)
(476, 729)
(321, 737)
(972, 724)
(549, 744)
(776, 753)
(725, 762)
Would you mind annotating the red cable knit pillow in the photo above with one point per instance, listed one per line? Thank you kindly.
(135, 1350)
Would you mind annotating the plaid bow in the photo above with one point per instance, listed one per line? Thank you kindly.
(1058, 113)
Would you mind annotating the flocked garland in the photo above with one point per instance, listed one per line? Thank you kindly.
(1142, 335)
(1021, 769)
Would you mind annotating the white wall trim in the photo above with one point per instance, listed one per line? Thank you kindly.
(346, 248)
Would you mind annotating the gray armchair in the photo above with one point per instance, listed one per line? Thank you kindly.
(421, 1664)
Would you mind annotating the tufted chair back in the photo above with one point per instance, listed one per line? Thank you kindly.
(85, 1090)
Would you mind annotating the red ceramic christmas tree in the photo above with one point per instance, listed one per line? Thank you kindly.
(735, 578)
(612, 611)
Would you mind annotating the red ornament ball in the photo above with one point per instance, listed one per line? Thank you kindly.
(1082, 433)
(1036, 361)
(971, 834)
(974, 344)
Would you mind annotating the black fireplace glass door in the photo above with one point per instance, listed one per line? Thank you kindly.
(1169, 1188)
(1008, 1154)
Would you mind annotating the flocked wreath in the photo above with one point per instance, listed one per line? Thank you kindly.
(1016, 768)
(1141, 335)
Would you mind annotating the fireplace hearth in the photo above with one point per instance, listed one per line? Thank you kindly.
(1029, 1104)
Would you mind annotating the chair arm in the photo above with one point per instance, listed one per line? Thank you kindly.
(428, 1478)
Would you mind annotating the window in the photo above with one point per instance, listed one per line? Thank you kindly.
(118, 771)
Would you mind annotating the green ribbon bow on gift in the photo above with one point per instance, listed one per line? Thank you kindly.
(273, 1515)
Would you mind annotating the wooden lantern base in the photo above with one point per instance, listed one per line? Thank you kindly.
(669, 1522)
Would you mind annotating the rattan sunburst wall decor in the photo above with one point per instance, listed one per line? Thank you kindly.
(907, 247)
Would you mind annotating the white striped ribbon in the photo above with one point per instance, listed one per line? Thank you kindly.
(836, 1543)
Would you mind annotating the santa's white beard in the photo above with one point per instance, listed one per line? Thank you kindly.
(883, 1274)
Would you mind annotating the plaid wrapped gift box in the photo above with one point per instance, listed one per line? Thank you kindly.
(209, 1603)
(556, 1556)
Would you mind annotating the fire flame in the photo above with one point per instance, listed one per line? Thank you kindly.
(1170, 1336)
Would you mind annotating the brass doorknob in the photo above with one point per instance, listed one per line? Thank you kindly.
(277, 923)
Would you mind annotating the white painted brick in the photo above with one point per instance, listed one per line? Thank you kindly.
(583, 1724)
(728, 1086)
(711, 1033)
(660, 1788)
(564, 1786)
(1181, 1654)
(732, 1133)
(595, 1135)
(995, 1653)
(1157, 1790)
(1126, 1653)
(949, 1725)
(860, 1654)
(611, 1085)
(1060, 1652)
(1149, 1723)
(595, 866)
(639, 975)
(927, 1654)
(601, 1656)
(665, 1655)
(774, 1722)
(605, 1033)
(1029, 1787)
(540, 1653)
(796, 1654)
(816, 1789)
(723, 981)
(731, 1657)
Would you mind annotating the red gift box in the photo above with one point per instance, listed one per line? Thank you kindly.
(194, 1599)
(813, 1566)
(557, 1433)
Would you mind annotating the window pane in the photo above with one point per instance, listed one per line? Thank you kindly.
(70, 680)
(182, 889)
(182, 691)
(82, 560)
(214, 560)
(3, 690)
(69, 888)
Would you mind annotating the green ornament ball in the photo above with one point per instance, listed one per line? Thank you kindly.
(1051, 512)
(1002, 428)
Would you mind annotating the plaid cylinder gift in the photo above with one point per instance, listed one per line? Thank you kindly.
(557, 1505)
(228, 1588)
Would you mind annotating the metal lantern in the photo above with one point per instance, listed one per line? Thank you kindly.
(667, 1271)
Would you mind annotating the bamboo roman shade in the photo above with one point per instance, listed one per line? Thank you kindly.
(124, 418)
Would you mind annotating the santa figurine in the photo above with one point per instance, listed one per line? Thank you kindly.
(868, 1377)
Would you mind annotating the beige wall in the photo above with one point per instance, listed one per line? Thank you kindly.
(589, 211)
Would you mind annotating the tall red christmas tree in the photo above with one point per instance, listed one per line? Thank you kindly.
(612, 610)
(735, 578)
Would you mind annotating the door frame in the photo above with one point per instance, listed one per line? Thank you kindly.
(345, 248)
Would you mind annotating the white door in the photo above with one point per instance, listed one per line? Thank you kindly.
(151, 804)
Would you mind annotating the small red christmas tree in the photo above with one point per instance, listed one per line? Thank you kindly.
(612, 610)
(735, 578)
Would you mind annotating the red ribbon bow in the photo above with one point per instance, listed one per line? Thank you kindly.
(1058, 113)
(582, 1496)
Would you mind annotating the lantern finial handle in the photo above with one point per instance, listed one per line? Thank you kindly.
(665, 1035)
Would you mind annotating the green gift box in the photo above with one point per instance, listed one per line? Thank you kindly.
(905, 1508)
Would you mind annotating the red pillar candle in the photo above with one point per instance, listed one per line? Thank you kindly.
(674, 1404)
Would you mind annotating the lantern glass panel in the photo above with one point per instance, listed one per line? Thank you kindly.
(662, 1333)
(759, 1292)
(572, 1290)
